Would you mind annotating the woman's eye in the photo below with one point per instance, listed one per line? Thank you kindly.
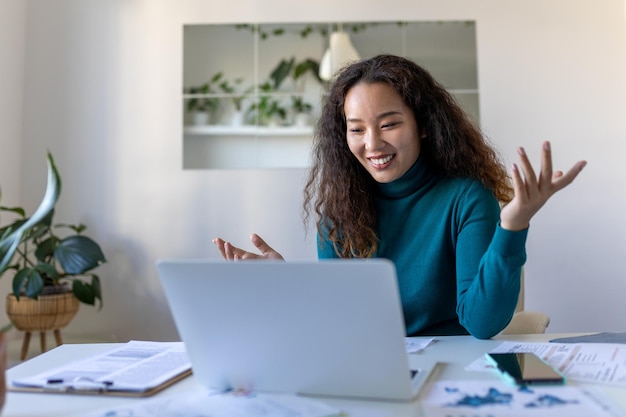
(390, 124)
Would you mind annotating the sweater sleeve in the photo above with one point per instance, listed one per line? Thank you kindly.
(489, 260)
(325, 248)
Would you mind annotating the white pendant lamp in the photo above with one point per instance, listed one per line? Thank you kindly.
(339, 53)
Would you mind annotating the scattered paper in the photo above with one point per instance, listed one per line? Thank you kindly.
(587, 362)
(485, 398)
(232, 404)
(417, 344)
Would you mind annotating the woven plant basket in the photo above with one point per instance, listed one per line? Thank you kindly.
(48, 312)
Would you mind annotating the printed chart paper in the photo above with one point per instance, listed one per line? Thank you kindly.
(484, 398)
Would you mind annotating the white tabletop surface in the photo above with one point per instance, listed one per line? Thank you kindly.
(453, 353)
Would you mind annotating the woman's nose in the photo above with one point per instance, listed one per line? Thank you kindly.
(373, 140)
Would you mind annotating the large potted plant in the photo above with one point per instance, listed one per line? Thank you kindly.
(9, 242)
(52, 265)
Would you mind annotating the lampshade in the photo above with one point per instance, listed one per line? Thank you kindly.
(339, 53)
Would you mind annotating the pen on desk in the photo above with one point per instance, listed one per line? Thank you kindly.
(55, 381)
(80, 383)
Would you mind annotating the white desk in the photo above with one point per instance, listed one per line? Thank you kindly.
(454, 352)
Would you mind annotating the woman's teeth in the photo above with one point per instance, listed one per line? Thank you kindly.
(382, 161)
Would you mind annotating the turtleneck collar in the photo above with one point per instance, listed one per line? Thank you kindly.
(418, 176)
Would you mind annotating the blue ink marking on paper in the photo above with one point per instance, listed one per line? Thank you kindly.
(493, 397)
(496, 397)
(547, 401)
(526, 389)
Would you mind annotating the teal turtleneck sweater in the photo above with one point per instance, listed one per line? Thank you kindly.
(458, 270)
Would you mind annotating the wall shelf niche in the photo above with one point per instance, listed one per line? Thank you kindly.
(249, 130)
(240, 73)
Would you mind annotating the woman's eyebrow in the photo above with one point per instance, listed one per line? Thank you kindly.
(380, 116)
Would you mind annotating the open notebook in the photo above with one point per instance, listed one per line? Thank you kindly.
(330, 328)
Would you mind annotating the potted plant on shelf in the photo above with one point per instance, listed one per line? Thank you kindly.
(202, 103)
(267, 110)
(300, 71)
(52, 268)
(302, 110)
(236, 98)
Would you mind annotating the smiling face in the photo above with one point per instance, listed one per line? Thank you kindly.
(381, 130)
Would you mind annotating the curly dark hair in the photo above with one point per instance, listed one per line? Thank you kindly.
(339, 189)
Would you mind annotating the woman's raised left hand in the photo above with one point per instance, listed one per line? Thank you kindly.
(531, 193)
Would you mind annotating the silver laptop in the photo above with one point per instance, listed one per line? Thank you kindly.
(327, 328)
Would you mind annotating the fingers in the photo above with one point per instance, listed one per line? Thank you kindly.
(260, 244)
(519, 187)
(564, 179)
(530, 194)
(545, 177)
(233, 253)
(228, 251)
(549, 181)
(220, 246)
(530, 179)
(266, 251)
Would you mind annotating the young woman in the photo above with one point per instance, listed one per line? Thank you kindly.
(401, 172)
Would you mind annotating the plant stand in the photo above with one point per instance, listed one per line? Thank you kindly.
(42, 341)
(48, 313)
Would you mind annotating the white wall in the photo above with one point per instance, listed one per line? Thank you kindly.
(11, 67)
(102, 88)
(12, 26)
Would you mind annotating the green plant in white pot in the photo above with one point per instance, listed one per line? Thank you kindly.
(202, 102)
(236, 97)
(268, 110)
(302, 110)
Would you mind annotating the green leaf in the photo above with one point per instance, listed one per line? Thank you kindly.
(84, 292)
(34, 284)
(308, 65)
(76, 228)
(17, 210)
(216, 77)
(46, 248)
(18, 282)
(78, 254)
(47, 269)
(281, 71)
(95, 283)
(40, 229)
(30, 281)
(9, 244)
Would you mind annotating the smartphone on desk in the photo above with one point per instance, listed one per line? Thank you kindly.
(526, 368)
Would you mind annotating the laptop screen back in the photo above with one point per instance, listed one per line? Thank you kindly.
(331, 327)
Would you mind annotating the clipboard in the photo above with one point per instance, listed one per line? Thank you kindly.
(102, 389)
(134, 369)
